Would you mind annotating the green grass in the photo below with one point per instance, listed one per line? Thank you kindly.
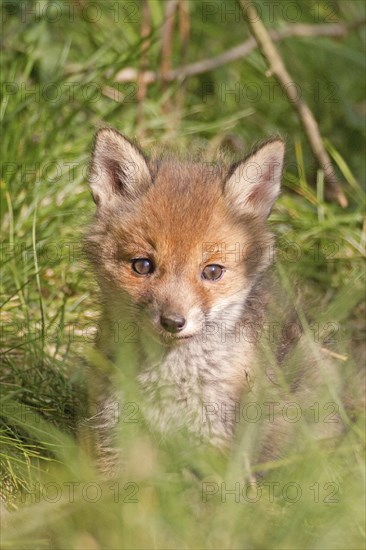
(50, 302)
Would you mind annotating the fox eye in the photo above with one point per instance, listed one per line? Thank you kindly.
(213, 272)
(142, 266)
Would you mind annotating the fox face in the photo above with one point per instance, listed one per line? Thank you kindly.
(179, 244)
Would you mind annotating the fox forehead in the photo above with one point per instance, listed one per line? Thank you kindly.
(181, 214)
(182, 188)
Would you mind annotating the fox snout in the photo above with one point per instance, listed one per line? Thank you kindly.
(172, 322)
(169, 317)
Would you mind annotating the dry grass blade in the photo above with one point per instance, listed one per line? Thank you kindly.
(278, 70)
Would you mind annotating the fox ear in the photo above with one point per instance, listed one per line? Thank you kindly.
(117, 167)
(254, 184)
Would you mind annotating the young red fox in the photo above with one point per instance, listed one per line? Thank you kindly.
(180, 250)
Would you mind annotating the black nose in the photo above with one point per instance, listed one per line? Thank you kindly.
(172, 322)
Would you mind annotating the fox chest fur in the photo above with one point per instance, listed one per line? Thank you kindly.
(180, 249)
(197, 385)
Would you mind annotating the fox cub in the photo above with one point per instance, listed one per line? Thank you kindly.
(180, 249)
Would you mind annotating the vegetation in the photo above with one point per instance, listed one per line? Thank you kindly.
(60, 66)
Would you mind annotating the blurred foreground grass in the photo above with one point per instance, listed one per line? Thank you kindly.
(54, 71)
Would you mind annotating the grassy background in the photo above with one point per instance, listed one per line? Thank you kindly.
(57, 59)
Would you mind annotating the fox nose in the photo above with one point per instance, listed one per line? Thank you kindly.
(172, 322)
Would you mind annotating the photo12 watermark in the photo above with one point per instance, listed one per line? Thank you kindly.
(69, 11)
(270, 491)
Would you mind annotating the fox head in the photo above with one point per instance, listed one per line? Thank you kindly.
(177, 243)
